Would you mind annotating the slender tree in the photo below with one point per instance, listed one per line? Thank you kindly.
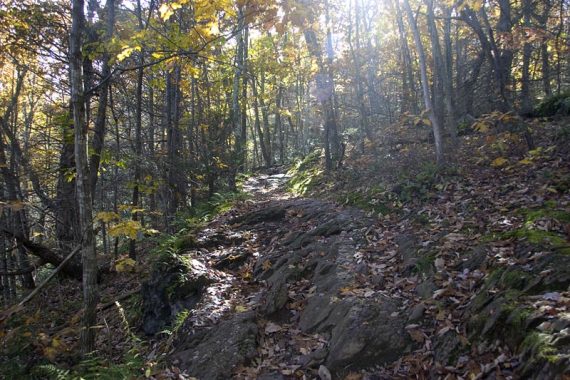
(88, 253)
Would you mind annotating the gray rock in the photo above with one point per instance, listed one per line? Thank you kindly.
(360, 332)
(417, 312)
(475, 259)
(378, 280)
(445, 346)
(407, 246)
(271, 376)
(425, 289)
(365, 335)
(215, 352)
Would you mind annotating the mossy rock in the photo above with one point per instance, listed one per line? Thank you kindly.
(562, 185)
(368, 200)
(531, 215)
(500, 311)
(177, 283)
(306, 174)
(537, 237)
(545, 355)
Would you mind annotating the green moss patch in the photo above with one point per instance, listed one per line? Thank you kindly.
(372, 199)
(306, 174)
(532, 215)
(539, 347)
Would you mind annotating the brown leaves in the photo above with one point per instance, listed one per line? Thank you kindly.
(416, 333)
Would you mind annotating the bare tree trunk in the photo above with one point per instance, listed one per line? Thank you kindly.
(236, 111)
(543, 19)
(242, 152)
(90, 291)
(447, 77)
(492, 53)
(559, 46)
(12, 183)
(363, 119)
(175, 189)
(279, 124)
(435, 123)
(101, 119)
(138, 137)
(265, 115)
(526, 96)
(409, 103)
(262, 143)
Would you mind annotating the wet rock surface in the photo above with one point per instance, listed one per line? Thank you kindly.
(303, 244)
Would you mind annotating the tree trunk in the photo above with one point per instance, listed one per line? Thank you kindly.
(262, 143)
(489, 46)
(526, 96)
(409, 103)
(101, 119)
(88, 253)
(435, 123)
(12, 183)
(138, 137)
(355, 54)
(543, 19)
(279, 124)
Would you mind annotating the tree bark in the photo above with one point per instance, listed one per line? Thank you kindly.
(88, 253)
(101, 119)
(138, 137)
(435, 123)
(526, 96)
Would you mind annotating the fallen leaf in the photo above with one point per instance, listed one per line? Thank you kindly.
(417, 335)
(498, 162)
(439, 264)
(272, 328)
(324, 373)
(553, 296)
(266, 265)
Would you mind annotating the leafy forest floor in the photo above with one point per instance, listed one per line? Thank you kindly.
(387, 268)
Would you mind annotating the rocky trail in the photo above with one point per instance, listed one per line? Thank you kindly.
(281, 289)
(296, 288)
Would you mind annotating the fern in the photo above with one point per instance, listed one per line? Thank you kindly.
(50, 371)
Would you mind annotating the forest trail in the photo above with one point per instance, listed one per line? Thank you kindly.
(290, 284)
(268, 186)
(284, 287)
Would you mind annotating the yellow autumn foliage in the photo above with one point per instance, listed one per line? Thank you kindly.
(498, 162)
(128, 228)
(125, 265)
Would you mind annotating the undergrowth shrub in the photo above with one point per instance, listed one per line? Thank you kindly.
(305, 174)
(418, 185)
(554, 105)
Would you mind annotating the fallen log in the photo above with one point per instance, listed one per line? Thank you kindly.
(52, 275)
(71, 269)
